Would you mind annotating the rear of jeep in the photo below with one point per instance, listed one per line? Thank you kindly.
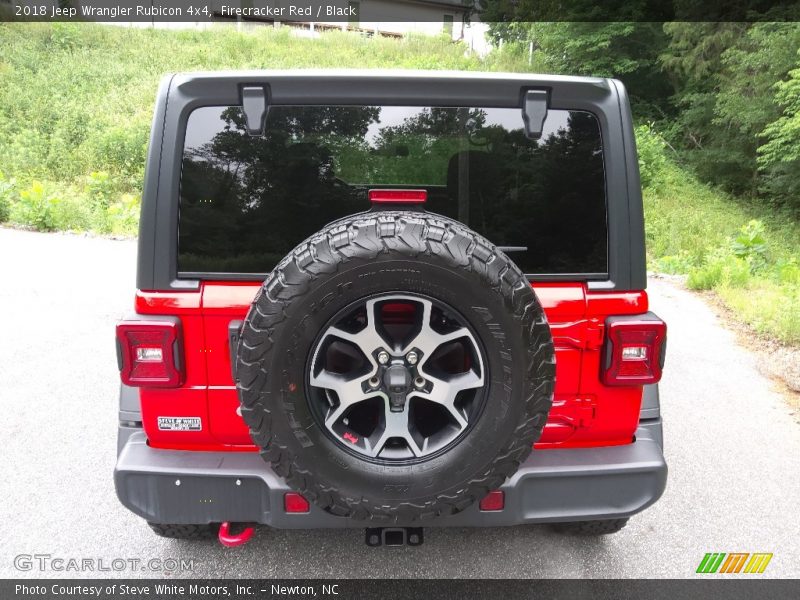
(390, 300)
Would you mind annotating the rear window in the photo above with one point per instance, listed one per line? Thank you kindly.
(247, 201)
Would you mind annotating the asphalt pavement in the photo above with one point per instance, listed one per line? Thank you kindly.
(732, 445)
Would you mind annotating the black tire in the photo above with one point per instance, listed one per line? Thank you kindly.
(591, 527)
(185, 532)
(373, 253)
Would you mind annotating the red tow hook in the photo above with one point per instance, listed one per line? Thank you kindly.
(231, 540)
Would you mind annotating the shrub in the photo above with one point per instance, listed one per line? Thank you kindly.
(65, 36)
(653, 161)
(123, 215)
(771, 309)
(100, 187)
(70, 211)
(47, 206)
(720, 269)
(34, 207)
(120, 149)
(6, 191)
(750, 245)
(788, 272)
(675, 264)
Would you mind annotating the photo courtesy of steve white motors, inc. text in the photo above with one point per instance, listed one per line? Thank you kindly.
(160, 590)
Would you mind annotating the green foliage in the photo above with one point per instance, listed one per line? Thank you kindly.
(724, 78)
(32, 207)
(722, 94)
(55, 206)
(694, 51)
(720, 269)
(675, 264)
(652, 150)
(6, 192)
(65, 36)
(123, 215)
(750, 245)
(779, 156)
(766, 295)
(628, 51)
(772, 309)
(745, 253)
(77, 98)
(783, 134)
(76, 104)
(36, 206)
(788, 271)
(100, 188)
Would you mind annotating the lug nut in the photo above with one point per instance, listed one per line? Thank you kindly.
(374, 382)
(419, 382)
(383, 357)
(412, 358)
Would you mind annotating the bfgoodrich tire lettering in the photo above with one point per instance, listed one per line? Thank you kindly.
(378, 253)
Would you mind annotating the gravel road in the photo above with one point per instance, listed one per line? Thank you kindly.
(732, 445)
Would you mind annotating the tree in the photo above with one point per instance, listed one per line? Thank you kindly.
(779, 157)
(628, 51)
(723, 75)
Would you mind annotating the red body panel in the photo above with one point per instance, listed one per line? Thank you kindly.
(585, 412)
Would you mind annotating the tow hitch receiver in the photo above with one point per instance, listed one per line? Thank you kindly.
(394, 536)
(226, 538)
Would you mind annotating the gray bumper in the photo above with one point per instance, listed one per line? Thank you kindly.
(169, 486)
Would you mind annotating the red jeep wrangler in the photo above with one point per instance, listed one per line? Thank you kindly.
(390, 300)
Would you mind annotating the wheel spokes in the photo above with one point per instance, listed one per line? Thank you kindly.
(350, 391)
(445, 391)
(395, 427)
(368, 339)
(428, 340)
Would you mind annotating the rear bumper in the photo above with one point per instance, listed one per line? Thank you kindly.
(170, 486)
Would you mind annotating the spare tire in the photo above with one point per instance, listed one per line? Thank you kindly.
(395, 367)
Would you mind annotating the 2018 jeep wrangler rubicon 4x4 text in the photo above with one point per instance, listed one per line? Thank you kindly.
(390, 300)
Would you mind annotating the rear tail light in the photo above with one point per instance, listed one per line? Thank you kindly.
(634, 350)
(149, 353)
(398, 196)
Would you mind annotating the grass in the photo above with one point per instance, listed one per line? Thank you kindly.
(76, 102)
(748, 254)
